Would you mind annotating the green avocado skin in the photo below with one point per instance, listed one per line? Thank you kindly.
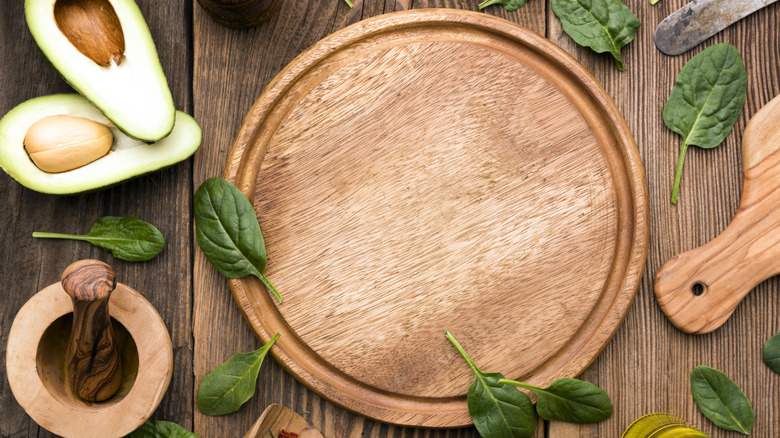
(134, 95)
(129, 158)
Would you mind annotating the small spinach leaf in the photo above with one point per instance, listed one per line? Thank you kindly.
(127, 238)
(161, 429)
(509, 5)
(602, 25)
(224, 390)
(498, 410)
(706, 101)
(771, 353)
(571, 400)
(227, 231)
(721, 400)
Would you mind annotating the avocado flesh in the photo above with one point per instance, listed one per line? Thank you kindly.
(128, 157)
(134, 95)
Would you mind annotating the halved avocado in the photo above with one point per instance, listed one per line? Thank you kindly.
(104, 50)
(127, 158)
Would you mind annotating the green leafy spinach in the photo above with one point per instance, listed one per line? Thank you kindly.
(509, 5)
(721, 400)
(602, 25)
(127, 238)
(498, 410)
(227, 231)
(570, 400)
(161, 429)
(224, 390)
(771, 353)
(706, 101)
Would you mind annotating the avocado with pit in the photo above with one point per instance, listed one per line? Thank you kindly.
(104, 50)
(62, 144)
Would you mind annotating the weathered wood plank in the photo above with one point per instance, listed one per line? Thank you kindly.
(231, 69)
(162, 198)
(647, 366)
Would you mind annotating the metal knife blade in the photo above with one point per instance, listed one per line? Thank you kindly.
(699, 20)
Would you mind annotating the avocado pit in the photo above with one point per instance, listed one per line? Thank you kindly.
(94, 29)
(62, 143)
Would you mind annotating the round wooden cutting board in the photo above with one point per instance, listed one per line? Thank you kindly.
(438, 170)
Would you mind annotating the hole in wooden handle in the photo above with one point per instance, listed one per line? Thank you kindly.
(698, 289)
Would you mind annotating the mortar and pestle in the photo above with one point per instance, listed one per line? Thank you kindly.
(699, 289)
(82, 368)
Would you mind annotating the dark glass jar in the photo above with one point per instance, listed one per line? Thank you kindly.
(241, 14)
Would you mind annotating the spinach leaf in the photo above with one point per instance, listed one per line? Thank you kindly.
(509, 5)
(706, 101)
(571, 400)
(602, 25)
(771, 353)
(721, 400)
(498, 410)
(127, 238)
(161, 429)
(228, 233)
(224, 390)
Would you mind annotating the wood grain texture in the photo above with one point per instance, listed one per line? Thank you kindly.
(402, 207)
(38, 350)
(162, 198)
(93, 360)
(699, 289)
(644, 369)
(647, 366)
(277, 418)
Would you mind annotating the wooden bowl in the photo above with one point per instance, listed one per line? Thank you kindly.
(438, 170)
(36, 361)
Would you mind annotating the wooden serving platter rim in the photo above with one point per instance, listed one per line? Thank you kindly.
(249, 148)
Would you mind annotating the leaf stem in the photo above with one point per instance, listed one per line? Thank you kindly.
(520, 384)
(678, 173)
(271, 287)
(58, 236)
(349, 3)
(462, 352)
(487, 3)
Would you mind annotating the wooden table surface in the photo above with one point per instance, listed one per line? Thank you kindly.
(216, 73)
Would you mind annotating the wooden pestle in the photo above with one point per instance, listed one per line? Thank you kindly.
(94, 365)
(699, 289)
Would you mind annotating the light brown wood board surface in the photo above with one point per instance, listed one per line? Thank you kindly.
(217, 73)
(402, 207)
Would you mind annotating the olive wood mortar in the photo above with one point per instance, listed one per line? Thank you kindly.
(699, 289)
(40, 357)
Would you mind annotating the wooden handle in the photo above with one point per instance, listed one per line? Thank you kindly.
(699, 289)
(94, 365)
